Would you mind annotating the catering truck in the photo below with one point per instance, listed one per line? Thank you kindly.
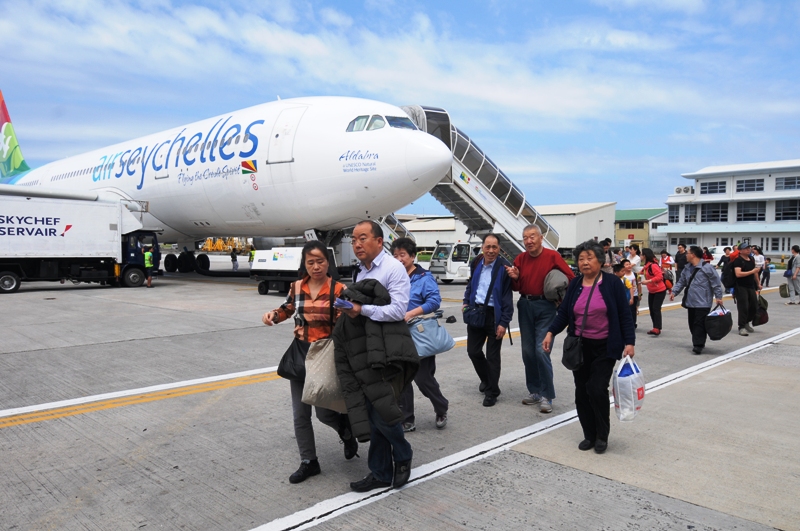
(79, 240)
(451, 261)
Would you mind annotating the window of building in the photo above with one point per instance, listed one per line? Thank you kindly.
(658, 244)
(674, 213)
(711, 212)
(787, 210)
(683, 241)
(631, 224)
(750, 185)
(690, 214)
(655, 226)
(715, 187)
(751, 211)
(775, 244)
(787, 183)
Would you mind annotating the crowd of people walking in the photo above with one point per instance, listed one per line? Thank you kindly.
(376, 359)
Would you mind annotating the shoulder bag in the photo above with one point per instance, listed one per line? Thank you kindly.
(686, 289)
(429, 336)
(572, 357)
(293, 363)
(475, 315)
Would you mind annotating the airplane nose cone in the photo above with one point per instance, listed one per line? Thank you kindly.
(427, 160)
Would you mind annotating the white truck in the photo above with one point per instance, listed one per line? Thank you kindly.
(80, 240)
(278, 267)
(451, 261)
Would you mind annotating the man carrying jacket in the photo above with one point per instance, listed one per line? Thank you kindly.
(387, 442)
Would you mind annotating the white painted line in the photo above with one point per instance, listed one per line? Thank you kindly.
(339, 505)
(132, 392)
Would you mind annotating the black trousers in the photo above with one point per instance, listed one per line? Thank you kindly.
(746, 305)
(591, 390)
(697, 325)
(426, 381)
(765, 277)
(654, 302)
(635, 308)
(487, 367)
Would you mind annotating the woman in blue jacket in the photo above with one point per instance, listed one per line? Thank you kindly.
(498, 306)
(608, 333)
(424, 299)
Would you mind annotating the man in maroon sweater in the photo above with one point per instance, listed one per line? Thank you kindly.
(535, 314)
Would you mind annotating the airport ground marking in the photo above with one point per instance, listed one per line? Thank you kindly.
(344, 503)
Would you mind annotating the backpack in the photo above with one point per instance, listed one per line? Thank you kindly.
(728, 276)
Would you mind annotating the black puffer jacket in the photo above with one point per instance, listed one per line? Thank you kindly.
(373, 360)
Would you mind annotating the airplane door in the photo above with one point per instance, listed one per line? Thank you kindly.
(281, 141)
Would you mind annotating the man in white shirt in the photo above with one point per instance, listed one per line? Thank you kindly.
(387, 442)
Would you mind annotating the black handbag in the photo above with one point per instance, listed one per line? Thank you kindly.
(572, 357)
(475, 315)
(293, 363)
(718, 326)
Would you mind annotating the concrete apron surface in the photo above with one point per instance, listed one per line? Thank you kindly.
(727, 439)
(167, 451)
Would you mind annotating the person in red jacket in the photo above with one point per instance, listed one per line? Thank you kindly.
(656, 289)
(535, 314)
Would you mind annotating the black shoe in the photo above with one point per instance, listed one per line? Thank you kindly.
(600, 446)
(489, 401)
(697, 350)
(585, 444)
(306, 470)
(482, 387)
(368, 483)
(346, 435)
(402, 471)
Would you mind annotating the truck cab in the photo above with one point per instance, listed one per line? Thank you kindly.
(451, 261)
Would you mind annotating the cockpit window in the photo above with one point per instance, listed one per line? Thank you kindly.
(357, 124)
(400, 122)
(376, 122)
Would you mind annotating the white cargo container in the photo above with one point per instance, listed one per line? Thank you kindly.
(59, 239)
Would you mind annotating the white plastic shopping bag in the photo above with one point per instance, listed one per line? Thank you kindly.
(628, 385)
(321, 387)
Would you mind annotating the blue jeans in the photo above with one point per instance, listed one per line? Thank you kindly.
(386, 442)
(534, 320)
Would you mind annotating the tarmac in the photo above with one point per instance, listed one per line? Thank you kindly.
(160, 409)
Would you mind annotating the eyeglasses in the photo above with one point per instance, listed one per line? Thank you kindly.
(362, 240)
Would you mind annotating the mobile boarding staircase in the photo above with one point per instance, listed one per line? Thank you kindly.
(476, 191)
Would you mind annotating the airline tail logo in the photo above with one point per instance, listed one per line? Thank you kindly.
(11, 160)
(249, 166)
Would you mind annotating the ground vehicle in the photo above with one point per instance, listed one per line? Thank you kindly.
(450, 261)
(277, 268)
(57, 239)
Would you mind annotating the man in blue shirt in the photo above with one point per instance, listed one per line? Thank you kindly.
(498, 309)
(387, 442)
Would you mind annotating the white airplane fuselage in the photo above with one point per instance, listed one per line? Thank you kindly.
(275, 169)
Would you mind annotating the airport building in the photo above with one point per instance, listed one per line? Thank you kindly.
(640, 226)
(724, 205)
(578, 223)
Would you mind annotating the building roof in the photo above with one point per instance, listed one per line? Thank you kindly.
(639, 214)
(427, 224)
(570, 209)
(744, 169)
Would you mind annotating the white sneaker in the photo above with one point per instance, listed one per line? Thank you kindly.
(546, 405)
(532, 399)
(743, 332)
(748, 328)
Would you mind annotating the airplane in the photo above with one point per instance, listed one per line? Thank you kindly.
(273, 170)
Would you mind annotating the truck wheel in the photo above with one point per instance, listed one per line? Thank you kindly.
(447, 280)
(171, 263)
(263, 288)
(133, 277)
(9, 282)
(203, 262)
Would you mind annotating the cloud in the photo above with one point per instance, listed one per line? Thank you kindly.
(335, 18)
(685, 6)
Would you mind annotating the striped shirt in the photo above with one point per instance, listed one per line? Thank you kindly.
(313, 319)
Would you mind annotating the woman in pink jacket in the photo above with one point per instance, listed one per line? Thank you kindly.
(656, 289)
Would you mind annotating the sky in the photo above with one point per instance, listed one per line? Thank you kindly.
(580, 101)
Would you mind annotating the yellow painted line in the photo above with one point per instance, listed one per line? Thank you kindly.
(70, 411)
(449, 299)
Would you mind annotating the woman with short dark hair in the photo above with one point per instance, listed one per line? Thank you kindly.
(656, 289)
(424, 299)
(607, 334)
(702, 285)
